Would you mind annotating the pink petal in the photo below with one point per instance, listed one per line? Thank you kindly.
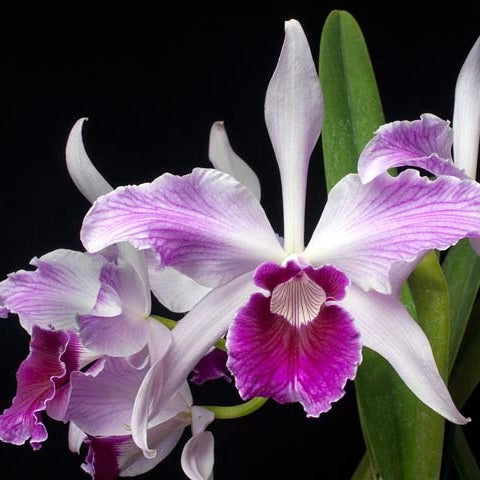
(211, 367)
(37, 377)
(366, 229)
(302, 351)
(294, 117)
(205, 224)
(424, 143)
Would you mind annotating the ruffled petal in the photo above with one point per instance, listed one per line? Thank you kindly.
(293, 346)
(366, 229)
(193, 337)
(198, 457)
(85, 176)
(424, 143)
(65, 283)
(294, 117)
(466, 115)
(35, 388)
(223, 158)
(387, 328)
(205, 224)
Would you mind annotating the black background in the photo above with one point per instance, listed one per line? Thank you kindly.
(152, 86)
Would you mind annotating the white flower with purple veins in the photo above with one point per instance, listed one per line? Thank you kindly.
(297, 318)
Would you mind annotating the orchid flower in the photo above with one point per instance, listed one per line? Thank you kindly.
(105, 427)
(297, 318)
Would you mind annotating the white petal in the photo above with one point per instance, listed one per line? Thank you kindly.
(175, 290)
(223, 158)
(201, 419)
(76, 437)
(466, 114)
(198, 457)
(85, 176)
(294, 117)
(386, 327)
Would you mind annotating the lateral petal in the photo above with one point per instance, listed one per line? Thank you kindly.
(466, 114)
(198, 457)
(424, 143)
(205, 224)
(366, 229)
(294, 118)
(387, 328)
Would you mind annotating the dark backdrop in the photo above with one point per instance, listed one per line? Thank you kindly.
(151, 87)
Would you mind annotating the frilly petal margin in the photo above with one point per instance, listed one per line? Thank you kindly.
(366, 229)
(65, 283)
(387, 328)
(198, 457)
(84, 175)
(205, 224)
(193, 337)
(466, 114)
(294, 117)
(36, 386)
(424, 143)
(223, 158)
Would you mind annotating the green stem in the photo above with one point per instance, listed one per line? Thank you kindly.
(237, 411)
(220, 344)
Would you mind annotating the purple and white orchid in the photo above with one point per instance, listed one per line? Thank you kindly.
(297, 317)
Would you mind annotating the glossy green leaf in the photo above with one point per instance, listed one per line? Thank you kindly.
(363, 471)
(353, 110)
(404, 438)
(462, 271)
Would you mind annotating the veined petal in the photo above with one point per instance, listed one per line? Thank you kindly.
(193, 337)
(175, 290)
(35, 388)
(198, 457)
(387, 328)
(223, 158)
(366, 229)
(114, 456)
(293, 346)
(101, 404)
(205, 224)
(294, 117)
(85, 176)
(424, 143)
(466, 115)
(211, 367)
(66, 283)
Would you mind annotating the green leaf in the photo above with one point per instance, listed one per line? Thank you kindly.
(465, 375)
(353, 110)
(463, 458)
(404, 438)
(363, 471)
(462, 271)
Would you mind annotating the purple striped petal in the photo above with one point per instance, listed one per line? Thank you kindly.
(424, 143)
(293, 346)
(211, 367)
(114, 456)
(366, 229)
(223, 158)
(294, 117)
(205, 224)
(387, 328)
(47, 366)
(65, 283)
(466, 115)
